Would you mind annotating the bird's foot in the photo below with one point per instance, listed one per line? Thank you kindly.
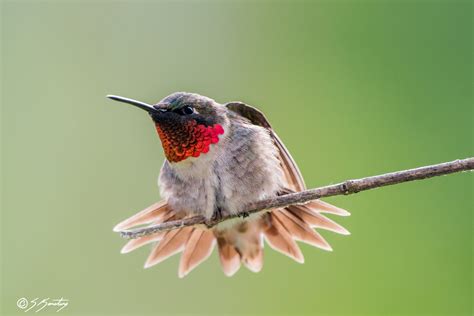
(244, 214)
(217, 216)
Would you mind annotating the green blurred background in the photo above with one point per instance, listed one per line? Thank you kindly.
(353, 88)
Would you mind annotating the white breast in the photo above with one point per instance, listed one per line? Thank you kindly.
(242, 168)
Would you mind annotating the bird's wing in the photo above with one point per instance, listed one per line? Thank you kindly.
(292, 173)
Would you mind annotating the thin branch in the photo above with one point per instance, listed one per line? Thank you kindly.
(343, 188)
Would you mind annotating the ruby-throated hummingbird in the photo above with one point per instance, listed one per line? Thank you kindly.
(220, 158)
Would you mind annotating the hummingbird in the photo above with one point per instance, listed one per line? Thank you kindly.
(219, 159)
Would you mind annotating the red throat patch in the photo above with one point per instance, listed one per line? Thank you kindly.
(189, 141)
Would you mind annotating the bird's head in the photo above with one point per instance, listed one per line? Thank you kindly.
(188, 124)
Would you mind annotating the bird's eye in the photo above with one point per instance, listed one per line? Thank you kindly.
(187, 110)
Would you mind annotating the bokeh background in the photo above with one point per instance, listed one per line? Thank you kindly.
(354, 88)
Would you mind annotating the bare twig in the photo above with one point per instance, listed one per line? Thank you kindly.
(346, 187)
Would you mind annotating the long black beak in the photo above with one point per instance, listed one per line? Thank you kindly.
(142, 105)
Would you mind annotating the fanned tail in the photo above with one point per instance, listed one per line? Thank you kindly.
(239, 243)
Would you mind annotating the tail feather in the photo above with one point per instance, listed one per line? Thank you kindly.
(144, 240)
(151, 213)
(279, 239)
(197, 249)
(249, 243)
(315, 219)
(323, 207)
(254, 261)
(173, 242)
(229, 257)
(141, 241)
(301, 231)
